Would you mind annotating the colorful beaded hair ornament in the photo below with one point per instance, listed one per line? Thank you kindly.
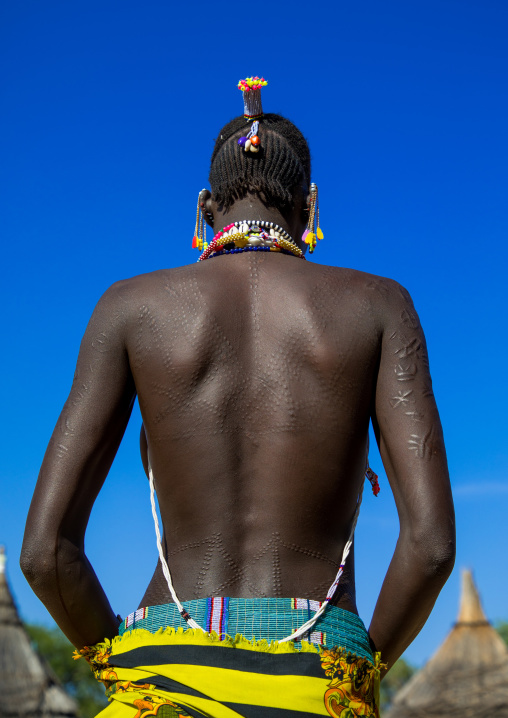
(252, 111)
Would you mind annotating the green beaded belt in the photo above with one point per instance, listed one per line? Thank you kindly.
(260, 618)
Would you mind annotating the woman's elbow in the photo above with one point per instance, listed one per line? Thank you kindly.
(442, 560)
(434, 551)
(38, 565)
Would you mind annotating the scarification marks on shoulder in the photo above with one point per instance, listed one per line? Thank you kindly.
(101, 343)
(296, 359)
(409, 318)
(186, 323)
(407, 347)
(150, 333)
(380, 286)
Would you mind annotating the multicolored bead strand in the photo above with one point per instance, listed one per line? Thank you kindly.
(251, 235)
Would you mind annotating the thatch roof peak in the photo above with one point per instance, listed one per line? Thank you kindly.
(470, 610)
(28, 687)
(8, 613)
(468, 674)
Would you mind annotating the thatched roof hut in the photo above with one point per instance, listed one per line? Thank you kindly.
(467, 677)
(28, 687)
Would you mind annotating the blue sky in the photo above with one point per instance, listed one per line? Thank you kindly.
(107, 120)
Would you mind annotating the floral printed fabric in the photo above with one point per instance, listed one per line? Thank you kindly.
(354, 687)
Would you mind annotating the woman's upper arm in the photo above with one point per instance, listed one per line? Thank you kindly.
(89, 429)
(409, 430)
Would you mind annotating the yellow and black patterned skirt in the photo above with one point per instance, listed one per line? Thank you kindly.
(184, 672)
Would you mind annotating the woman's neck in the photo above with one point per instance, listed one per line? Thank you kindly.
(251, 207)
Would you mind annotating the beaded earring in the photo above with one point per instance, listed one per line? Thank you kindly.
(199, 239)
(252, 111)
(313, 231)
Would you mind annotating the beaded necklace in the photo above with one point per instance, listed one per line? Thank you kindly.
(251, 236)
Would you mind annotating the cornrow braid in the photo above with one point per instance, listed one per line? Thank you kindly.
(282, 163)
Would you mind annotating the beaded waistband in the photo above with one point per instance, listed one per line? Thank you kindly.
(259, 618)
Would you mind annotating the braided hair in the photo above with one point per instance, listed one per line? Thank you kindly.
(274, 172)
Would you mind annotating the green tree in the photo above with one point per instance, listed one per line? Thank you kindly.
(399, 674)
(502, 629)
(75, 676)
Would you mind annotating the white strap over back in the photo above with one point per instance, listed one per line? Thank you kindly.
(308, 624)
(165, 568)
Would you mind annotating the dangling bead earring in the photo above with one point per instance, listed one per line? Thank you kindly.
(199, 239)
(313, 230)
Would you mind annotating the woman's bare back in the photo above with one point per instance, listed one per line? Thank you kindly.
(255, 376)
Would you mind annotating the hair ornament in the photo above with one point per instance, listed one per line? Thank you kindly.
(252, 111)
(251, 141)
(251, 88)
(313, 231)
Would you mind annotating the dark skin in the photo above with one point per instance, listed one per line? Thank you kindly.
(257, 375)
